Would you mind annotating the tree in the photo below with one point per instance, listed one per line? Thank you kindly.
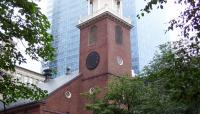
(125, 95)
(168, 85)
(21, 23)
(13, 90)
(178, 65)
(176, 75)
(176, 70)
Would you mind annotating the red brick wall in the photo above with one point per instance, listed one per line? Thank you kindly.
(96, 82)
(107, 49)
(100, 47)
(122, 50)
(57, 102)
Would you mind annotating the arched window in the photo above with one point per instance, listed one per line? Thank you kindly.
(118, 34)
(92, 35)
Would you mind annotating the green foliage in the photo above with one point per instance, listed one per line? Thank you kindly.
(21, 21)
(22, 24)
(125, 95)
(175, 73)
(96, 105)
(128, 91)
(13, 90)
(168, 85)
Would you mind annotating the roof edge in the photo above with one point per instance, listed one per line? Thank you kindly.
(67, 83)
(104, 15)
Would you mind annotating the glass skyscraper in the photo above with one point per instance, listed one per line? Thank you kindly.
(64, 16)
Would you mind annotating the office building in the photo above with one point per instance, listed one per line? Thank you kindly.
(25, 76)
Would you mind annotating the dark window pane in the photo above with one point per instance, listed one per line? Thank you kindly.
(118, 34)
(93, 35)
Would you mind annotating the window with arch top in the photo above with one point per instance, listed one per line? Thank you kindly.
(118, 34)
(92, 35)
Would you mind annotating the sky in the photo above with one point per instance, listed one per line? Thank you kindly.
(33, 64)
(172, 12)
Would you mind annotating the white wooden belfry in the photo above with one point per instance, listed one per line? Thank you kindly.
(96, 5)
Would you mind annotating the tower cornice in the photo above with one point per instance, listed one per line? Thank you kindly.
(107, 14)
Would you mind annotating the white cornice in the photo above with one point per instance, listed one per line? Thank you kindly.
(103, 11)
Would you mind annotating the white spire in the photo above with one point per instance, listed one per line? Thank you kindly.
(96, 5)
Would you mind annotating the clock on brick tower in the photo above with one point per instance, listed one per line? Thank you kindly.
(105, 40)
(104, 45)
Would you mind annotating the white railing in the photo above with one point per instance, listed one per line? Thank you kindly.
(102, 10)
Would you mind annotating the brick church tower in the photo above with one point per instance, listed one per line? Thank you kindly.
(104, 52)
(105, 40)
(104, 44)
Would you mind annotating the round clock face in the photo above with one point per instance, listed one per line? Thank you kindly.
(92, 60)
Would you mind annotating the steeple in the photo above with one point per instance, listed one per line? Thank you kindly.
(96, 5)
(104, 40)
(98, 8)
